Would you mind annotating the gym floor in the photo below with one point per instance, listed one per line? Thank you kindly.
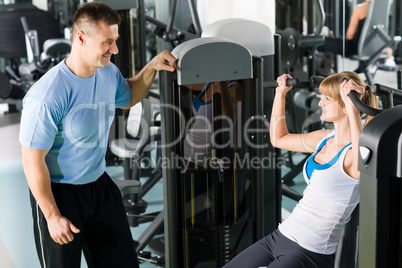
(17, 248)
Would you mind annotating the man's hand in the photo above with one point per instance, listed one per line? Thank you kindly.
(164, 61)
(61, 229)
(142, 82)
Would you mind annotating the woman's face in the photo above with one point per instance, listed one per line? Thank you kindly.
(331, 110)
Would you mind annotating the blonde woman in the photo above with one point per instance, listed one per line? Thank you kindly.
(310, 235)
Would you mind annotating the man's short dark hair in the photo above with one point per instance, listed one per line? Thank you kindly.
(97, 11)
(93, 12)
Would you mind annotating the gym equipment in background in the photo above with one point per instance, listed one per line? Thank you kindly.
(32, 43)
(374, 39)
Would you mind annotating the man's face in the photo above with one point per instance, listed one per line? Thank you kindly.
(100, 45)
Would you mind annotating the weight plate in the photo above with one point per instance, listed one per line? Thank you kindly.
(290, 47)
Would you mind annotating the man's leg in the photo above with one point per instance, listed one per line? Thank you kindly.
(107, 241)
(50, 253)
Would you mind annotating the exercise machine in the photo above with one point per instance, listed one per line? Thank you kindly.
(32, 43)
(214, 206)
(246, 32)
(380, 165)
(374, 39)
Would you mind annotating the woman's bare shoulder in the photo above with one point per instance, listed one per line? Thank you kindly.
(313, 138)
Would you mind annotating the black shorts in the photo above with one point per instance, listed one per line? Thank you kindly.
(277, 251)
(97, 210)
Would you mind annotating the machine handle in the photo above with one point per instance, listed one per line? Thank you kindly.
(24, 24)
(384, 91)
(32, 37)
(311, 40)
(315, 80)
(354, 97)
(289, 82)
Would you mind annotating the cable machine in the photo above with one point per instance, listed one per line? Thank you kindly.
(380, 165)
(246, 32)
(212, 117)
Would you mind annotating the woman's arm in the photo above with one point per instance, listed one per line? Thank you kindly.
(353, 23)
(279, 135)
(356, 126)
(359, 13)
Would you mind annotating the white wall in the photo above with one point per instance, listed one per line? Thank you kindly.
(41, 4)
(259, 10)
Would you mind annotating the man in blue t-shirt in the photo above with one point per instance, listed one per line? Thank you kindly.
(64, 132)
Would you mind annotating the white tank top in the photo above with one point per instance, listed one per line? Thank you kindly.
(329, 199)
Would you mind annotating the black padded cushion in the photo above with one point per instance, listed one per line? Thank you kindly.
(12, 36)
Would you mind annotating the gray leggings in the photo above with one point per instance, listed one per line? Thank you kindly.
(276, 250)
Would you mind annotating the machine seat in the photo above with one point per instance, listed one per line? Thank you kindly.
(56, 47)
(125, 148)
(140, 130)
(128, 187)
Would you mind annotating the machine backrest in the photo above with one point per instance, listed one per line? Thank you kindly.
(377, 16)
(139, 119)
(55, 47)
(12, 35)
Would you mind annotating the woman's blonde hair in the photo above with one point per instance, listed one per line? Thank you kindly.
(330, 86)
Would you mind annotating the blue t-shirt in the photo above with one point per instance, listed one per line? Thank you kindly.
(71, 117)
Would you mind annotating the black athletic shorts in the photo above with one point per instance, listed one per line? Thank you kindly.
(97, 210)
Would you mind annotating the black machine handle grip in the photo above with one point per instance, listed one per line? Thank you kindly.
(289, 82)
(354, 97)
(385, 91)
(315, 80)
